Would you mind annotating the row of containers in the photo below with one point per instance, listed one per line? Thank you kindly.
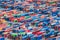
(10, 5)
(15, 36)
